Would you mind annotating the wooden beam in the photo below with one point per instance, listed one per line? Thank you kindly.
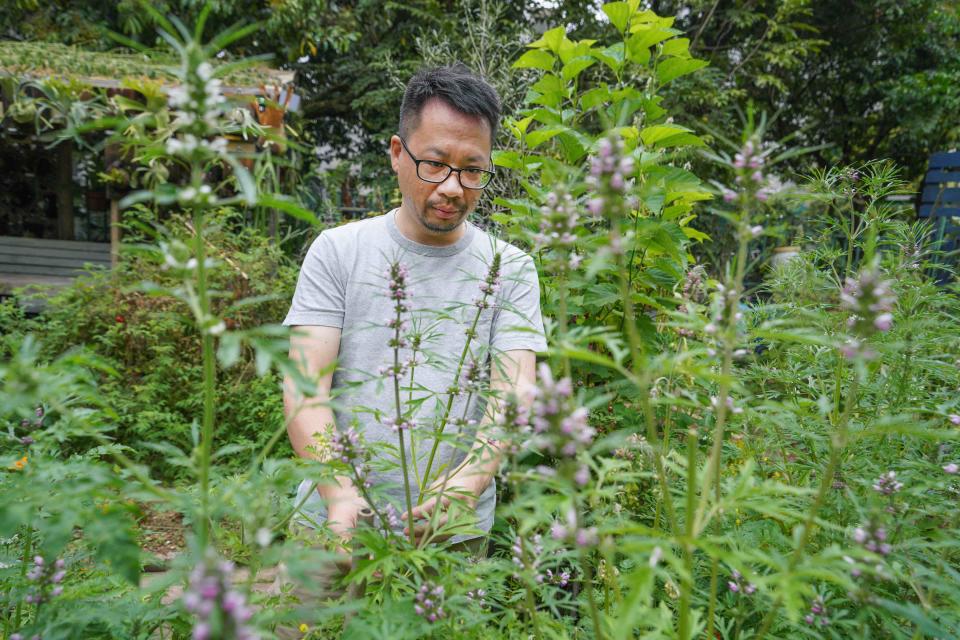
(114, 232)
(63, 185)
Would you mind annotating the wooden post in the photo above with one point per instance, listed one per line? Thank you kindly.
(63, 184)
(114, 232)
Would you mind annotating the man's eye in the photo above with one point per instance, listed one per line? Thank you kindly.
(434, 165)
(473, 171)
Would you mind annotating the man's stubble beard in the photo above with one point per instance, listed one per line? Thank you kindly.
(451, 226)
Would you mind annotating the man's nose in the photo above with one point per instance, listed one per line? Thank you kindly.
(451, 187)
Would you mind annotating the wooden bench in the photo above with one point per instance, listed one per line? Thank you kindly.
(47, 263)
(940, 203)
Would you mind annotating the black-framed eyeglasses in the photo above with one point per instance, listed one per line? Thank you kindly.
(437, 172)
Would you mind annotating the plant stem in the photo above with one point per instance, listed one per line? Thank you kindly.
(714, 462)
(837, 444)
(399, 426)
(209, 367)
(587, 568)
(27, 552)
(686, 595)
(438, 430)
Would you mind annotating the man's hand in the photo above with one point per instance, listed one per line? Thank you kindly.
(343, 510)
(433, 513)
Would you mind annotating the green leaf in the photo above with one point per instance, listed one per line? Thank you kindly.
(576, 66)
(694, 234)
(668, 135)
(638, 45)
(549, 83)
(535, 59)
(228, 351)
(507, 159)
(602, 294)
(676, 47)
(594, 97)
(550, 40)
(288, 205)
(538, 137)
(619, 14)
(673, 68)
(612, 56)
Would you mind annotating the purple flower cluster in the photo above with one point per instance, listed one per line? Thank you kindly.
(870, 299)
(561, 578)
(887, 484)
(490, 285)
(396, 425)
(570, 532)
(737, 584)
(731, 405)
(346, 447)
(473, 378)
(559, 426)
(873, 538)
(749, 163)
(477, 596)
(429, 602)
(46, 578)
(610, 171)
(559, 219)
(526, 557)
(818, 613)
(393, 517)
(396, 276)
(221, 612)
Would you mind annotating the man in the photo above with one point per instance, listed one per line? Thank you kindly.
(341, 313)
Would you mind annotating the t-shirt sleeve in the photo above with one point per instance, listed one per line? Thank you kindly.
(517, 321)
(320, 296)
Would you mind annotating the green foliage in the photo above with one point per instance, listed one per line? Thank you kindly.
(155, 351)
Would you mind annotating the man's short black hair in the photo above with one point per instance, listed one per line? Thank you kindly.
(458, 87)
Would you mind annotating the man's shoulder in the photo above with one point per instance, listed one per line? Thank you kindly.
(357, 228)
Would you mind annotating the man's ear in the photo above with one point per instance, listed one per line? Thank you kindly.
(395, 150)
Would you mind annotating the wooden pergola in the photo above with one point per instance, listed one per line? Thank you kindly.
(57, 260)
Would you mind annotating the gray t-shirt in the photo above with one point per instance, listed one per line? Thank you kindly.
(343, 283)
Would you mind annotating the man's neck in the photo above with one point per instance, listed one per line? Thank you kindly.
(412, 229)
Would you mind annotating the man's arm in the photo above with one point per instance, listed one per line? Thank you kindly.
(314, 350)
(514, 372)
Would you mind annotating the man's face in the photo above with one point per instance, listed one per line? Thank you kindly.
(433, 213)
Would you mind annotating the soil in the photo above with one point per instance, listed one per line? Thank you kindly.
(162, 535)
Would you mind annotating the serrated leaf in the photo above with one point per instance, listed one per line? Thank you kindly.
(535, 59)
(676, 47)
(619, 14)
(576, 66)
(550, 40)
(672, 68)
(507, 159)
(549, 83)
(638, 45)
(594, 98)
(612, 56)
(539, 136)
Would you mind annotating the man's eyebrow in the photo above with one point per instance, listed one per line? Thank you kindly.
(439, 153)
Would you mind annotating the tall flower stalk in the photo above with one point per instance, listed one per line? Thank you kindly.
(397, 275)
(488, 288)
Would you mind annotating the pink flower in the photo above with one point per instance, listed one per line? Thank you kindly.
(954, 418)
(951, 468)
